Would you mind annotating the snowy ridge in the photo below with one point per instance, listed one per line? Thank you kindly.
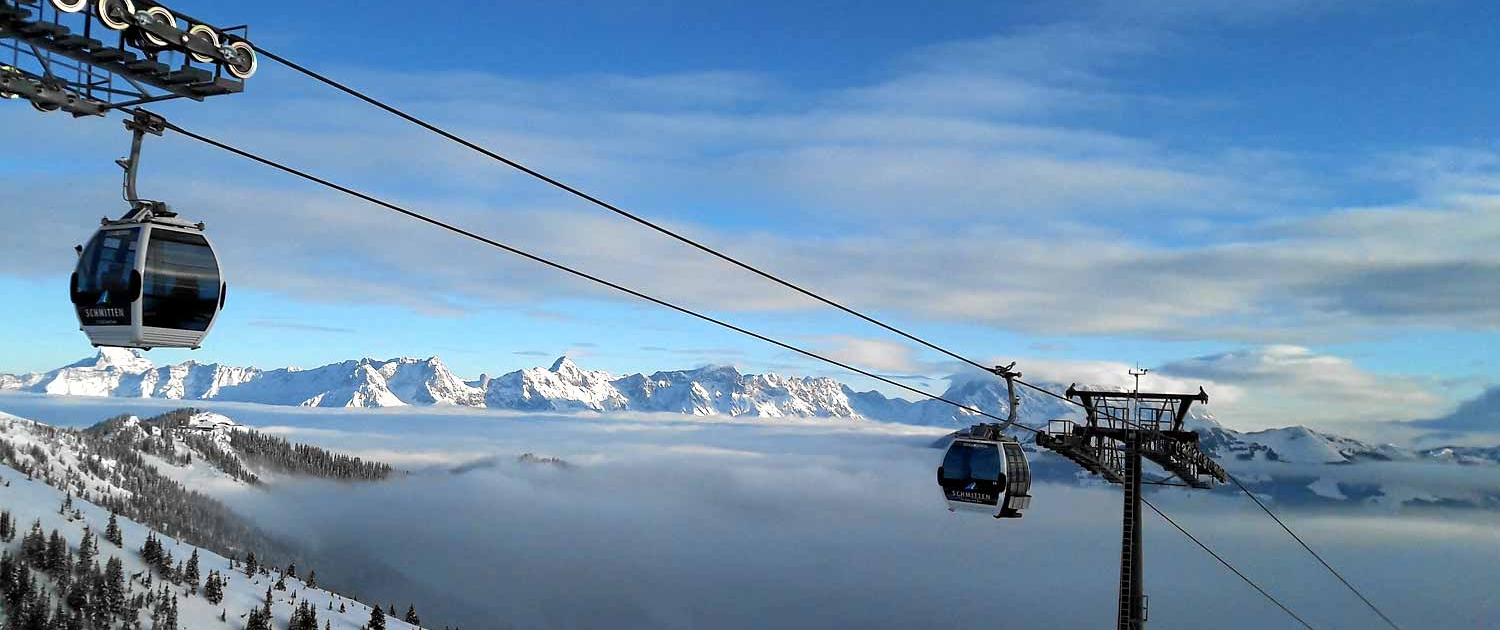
(1467, 455)
(30, 500)
(397, 382)
(128, 465)
(563, 387)
(707, 391)
(1300, 445)
(63, 455)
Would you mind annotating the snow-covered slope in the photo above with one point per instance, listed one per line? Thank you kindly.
(158, 469)
(66, 458)
(1295, 445)
(31, 501)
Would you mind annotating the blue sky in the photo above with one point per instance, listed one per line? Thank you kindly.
(1291, 200)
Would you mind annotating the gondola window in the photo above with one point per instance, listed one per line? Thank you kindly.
(181, 282)
(103, 293)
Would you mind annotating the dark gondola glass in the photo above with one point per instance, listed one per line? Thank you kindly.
(151, 284)
(986, 475)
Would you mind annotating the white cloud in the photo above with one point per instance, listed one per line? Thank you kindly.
(941, 212)
(879, 355)
(1289, 385)
(1293, 281)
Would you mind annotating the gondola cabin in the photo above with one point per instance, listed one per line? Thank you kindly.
(147, 284)
(989, 475)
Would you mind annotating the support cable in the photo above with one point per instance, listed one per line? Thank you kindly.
(654, 300)
(628, 214)
(1309, 549)
(712, 252)
(1226, 564)
(575, 272)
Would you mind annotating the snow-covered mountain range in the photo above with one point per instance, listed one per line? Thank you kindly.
(397, 382)
(708, 391)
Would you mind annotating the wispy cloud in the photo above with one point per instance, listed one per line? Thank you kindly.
(301, 326)
(890, 195)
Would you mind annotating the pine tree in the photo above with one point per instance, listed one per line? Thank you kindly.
(213, 589)
(77, 594)
(112, 531)
(114, 586)
(258, 619)
(251, 566)
(35, 613)
(64, 579)
(393, 609)
(312, 580)
(87, 549)
(190, 574)
(59, 616)
(98, 609)
(8, 577)
(171, 616)
(23, 587)
(411, 616)
(58, 559)
(377, 619)
(6, 531)
(291, 570)
(304, 618)
(151, 550)
(280, 584)
(34, 545)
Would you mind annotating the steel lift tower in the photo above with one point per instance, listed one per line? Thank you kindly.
(1120, 429)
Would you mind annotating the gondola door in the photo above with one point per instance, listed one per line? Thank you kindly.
(181, 289)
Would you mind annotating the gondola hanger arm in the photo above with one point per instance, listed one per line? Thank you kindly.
(141, 123)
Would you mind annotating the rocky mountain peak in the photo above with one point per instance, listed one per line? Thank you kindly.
(123, 359)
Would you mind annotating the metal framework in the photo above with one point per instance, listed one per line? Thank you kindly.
(100, 55)
(1121, 429)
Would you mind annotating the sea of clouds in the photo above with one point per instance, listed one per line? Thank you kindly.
(671, 522)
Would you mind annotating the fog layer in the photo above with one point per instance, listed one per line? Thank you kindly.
(670, 523)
